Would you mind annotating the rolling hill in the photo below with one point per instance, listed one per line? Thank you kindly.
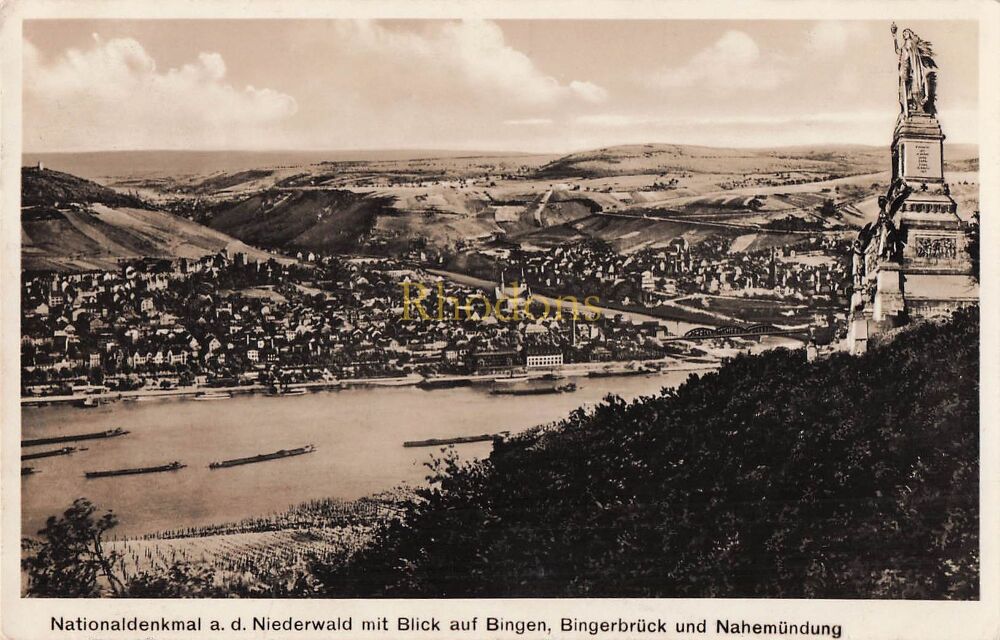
(380, 202)
(672, 158)
(72, 224)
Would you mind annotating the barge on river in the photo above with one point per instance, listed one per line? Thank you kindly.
(612, 373)
(534, 390)
(443, 383)
(110, 433)
(173, 466)
(277, 455)
(435, 442)
(214, 395)
(65, 451)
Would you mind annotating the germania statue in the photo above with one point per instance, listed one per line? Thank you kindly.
(917, 73)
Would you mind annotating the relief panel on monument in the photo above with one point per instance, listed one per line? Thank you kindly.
(935, 247)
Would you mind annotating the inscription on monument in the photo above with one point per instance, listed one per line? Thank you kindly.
(922, 159)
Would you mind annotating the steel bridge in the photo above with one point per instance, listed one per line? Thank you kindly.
(737, 331)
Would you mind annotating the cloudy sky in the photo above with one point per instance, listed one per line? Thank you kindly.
(550, 86)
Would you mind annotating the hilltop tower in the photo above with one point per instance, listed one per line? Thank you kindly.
(912, 262)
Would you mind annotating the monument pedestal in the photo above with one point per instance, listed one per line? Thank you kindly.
(915, 260)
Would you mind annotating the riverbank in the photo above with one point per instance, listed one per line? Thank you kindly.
(358, 432)
(193, 391)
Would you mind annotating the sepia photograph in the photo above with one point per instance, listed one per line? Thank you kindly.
(496, 308)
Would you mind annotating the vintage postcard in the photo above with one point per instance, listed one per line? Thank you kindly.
(498, 320)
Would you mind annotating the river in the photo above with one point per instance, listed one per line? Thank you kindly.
(358, 434)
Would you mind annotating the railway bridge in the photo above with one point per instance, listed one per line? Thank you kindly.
(750, 331)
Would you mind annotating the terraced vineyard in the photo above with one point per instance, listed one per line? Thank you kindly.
(325, 530)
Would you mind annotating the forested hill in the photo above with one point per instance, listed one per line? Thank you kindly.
(47, 188)
(841, 478)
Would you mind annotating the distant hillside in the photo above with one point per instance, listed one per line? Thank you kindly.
(672, 158)
(848, 477)
(47, 188)
(72, 224)
(175, 163)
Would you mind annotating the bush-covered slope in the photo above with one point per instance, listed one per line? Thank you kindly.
(72, 224)
(842, 478)
(327, 220)
(47, 188)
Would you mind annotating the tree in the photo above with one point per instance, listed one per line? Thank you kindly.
(973, 245)
(771, 477)
(96, 376)
(828, 208)
(70, 558)
(179, 580)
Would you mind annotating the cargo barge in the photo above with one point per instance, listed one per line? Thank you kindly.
(173, 466)
(436, 442)
(443, 383)
(623, 372)
(534, 391)
(65, 451)
(214, 395)
(110, 433)
(277, 455)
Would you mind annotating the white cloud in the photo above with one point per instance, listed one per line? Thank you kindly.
(812, 118)
(589, 91)
(112, 95)
(459, 58)
(528, 122)
(733, 62)
(831, 37)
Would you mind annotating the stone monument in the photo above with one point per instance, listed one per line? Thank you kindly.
(912, 262)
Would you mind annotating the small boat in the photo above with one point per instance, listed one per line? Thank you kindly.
(88, 403)
(27, 471)
(436, 442)
(65, 451)
(214, 395)
(110, 433)
(277, 455)
(553, 376)
(511, 379)
(285, 391)
(173, 466)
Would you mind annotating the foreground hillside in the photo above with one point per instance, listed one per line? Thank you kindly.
(72, 224)
(842, 478)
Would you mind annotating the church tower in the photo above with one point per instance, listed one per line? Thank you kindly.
(912, 262)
